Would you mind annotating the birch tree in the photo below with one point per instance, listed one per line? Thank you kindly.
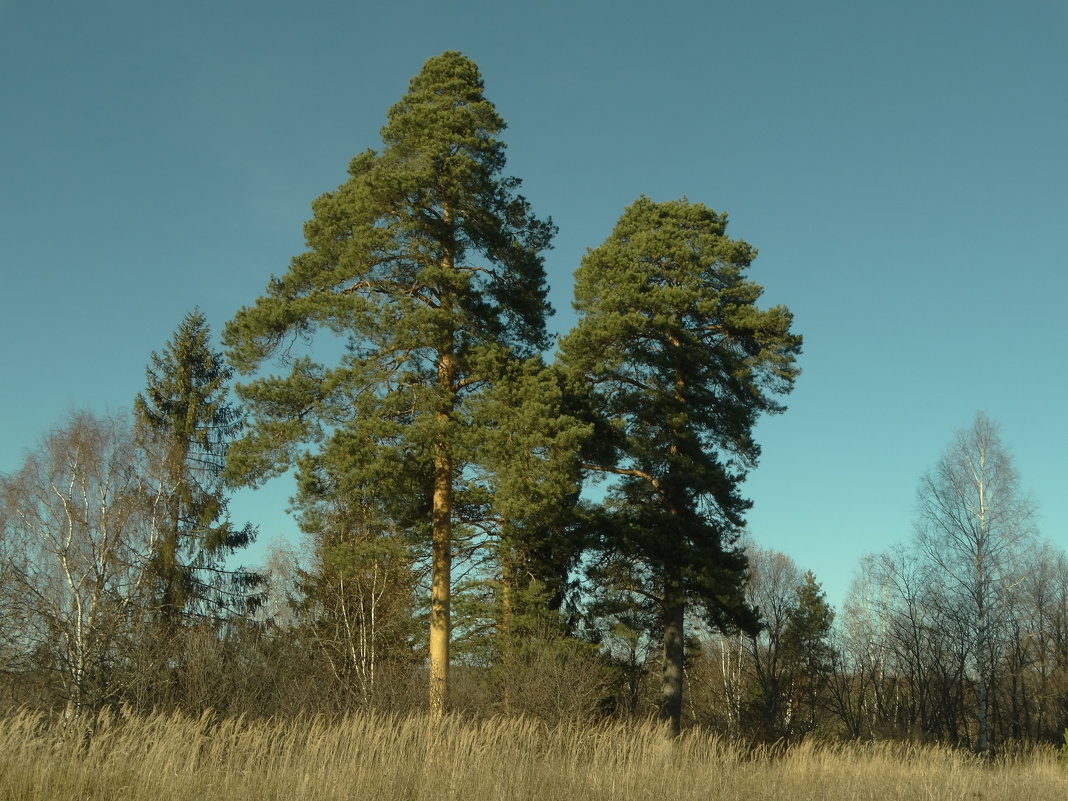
(76, 540)
(973, 523)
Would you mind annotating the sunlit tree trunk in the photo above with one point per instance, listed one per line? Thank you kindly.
(441, 550)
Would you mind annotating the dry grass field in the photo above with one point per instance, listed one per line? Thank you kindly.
(160, 758)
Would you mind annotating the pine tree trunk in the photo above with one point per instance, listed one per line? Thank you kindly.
(505, 627)
(441, 549)
(441, 534)
(674, 600)
(674, 655)
(441, 569)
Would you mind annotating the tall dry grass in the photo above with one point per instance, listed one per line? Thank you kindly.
(160, 758)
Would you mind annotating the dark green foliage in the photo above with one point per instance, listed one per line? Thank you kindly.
(680, 362)
(529, 447)
(186, 423)
(427, 263)
(425, 254)
(808, 629)
(807, 653)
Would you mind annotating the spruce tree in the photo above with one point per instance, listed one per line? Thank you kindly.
(427, 262)
(185, 422)
(680, 363)
(807, 651)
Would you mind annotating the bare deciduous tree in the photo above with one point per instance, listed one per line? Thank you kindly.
(74, 540)
(973, 524)
(773, 579)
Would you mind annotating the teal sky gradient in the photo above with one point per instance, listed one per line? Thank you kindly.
(902, 168)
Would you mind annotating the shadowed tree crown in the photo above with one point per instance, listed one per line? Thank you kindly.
(680, 362)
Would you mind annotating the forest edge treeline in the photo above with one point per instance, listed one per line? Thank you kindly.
(510, 533)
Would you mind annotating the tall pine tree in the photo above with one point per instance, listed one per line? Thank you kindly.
(681, 362)
(427, 261)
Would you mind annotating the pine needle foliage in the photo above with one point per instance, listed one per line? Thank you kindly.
(680, 362)
(427, 263)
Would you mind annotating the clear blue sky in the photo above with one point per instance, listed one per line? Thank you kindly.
(902, 168)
